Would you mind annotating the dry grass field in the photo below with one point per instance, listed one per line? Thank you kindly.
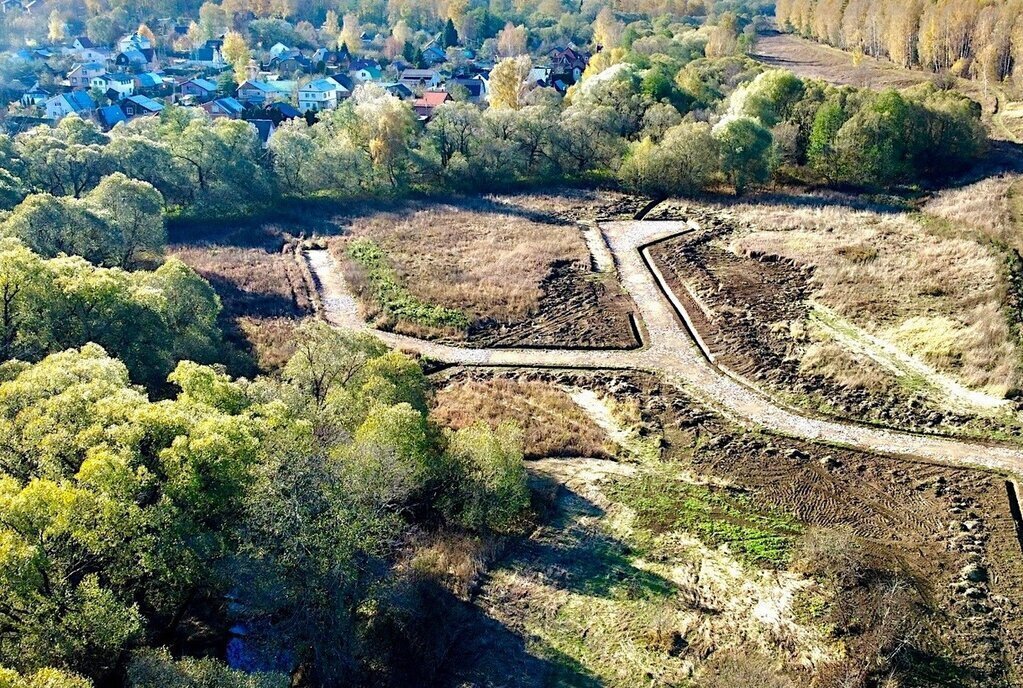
(552, 424)
(497, 271)
(989, 210)
(264, 288)
(476, 259)
(939, 296)
(808, 59)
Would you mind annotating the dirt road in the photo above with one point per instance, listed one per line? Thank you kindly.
(671, 352)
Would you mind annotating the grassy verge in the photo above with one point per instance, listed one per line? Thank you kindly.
(393, 298)
(758, 535)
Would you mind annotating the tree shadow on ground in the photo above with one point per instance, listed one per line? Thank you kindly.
(329, 217)
(575, 554)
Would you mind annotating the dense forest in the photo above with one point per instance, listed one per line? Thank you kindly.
(970, 38)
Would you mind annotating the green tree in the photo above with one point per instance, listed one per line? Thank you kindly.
(132, 211)
(492, 493)
(745, 151)
(682, 163)
(450, 36)
(820, 152)
(770, 97)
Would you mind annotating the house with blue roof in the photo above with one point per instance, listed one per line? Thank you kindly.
(318, 95)
(131, 59)
(254, 91)
(201, 89)
(72, 102)
(148, 81)
(138, 106)
(224, 107)
(109, 116)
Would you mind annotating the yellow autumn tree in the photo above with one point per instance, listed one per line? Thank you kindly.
(237, 54)
(508, 82)
(351, 33)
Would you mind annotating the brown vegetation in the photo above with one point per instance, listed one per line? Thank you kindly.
(476, 259)
(965, 37)
(936, 296)
(517, 267)
(552, 424)
(810, 60)
(265, 292)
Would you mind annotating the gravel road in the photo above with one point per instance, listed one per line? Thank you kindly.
(670, 351)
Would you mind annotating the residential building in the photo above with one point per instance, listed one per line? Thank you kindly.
(279, 112)
(567, 64)
(264, 130)
(35, 96)
(428, 102)
(201, 89)
(72, 102)
(132, 59)
(476, 87)
(318, 95)
(115, 85)
(365, 71)
(417, 79)
(434, 54)
(208, 56)
(137, 106)
(224, 107)
(398, 90)
(109, 116)
(81, 75)
(149, 83)
(279, 49)
(254, 91)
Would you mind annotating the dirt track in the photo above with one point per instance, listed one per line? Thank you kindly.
(669, 351)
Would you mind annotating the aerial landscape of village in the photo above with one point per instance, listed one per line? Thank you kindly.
(511, 343)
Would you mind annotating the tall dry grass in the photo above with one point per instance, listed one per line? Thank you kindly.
(985, 209)
(552, 424)
(476, 258)
(941, 297)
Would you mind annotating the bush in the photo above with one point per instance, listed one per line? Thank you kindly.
(491, 492)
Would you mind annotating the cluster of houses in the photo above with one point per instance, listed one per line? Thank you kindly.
(129, 79)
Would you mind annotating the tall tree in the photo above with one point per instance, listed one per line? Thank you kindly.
(237, 54)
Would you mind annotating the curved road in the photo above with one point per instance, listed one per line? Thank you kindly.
(671, 352)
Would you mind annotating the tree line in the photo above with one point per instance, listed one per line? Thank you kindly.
(982, 39)
(654, 99)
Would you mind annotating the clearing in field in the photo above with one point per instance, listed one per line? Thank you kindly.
(262, 281)
(810, 60)
(878, 314)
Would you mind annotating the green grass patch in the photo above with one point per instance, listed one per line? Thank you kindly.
(393, 298)
(757, 534)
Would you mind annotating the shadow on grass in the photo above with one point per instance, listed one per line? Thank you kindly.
(329, 217)
(574, 554)
(447, 642)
